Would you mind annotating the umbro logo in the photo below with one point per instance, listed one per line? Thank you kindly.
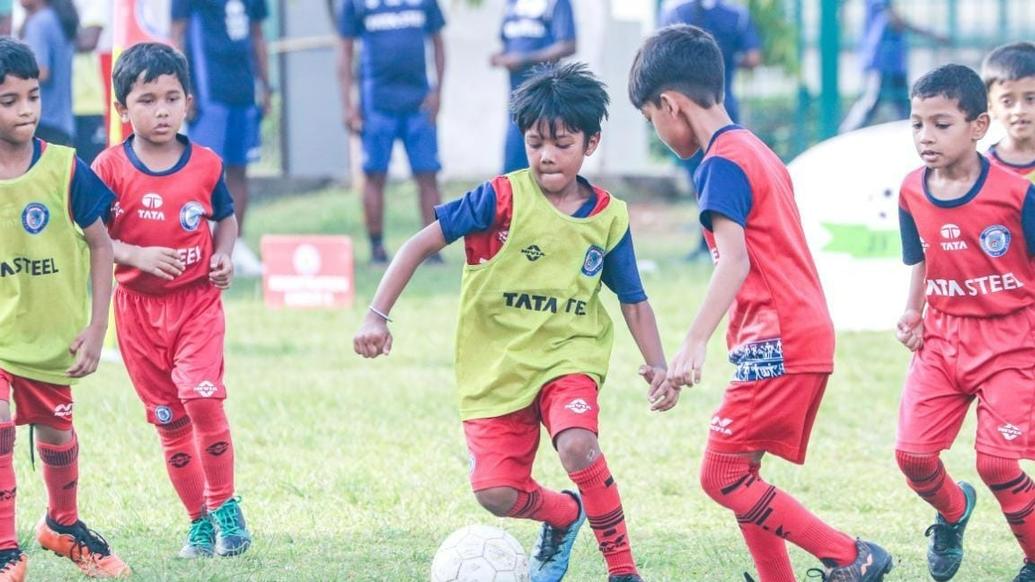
(533, 253)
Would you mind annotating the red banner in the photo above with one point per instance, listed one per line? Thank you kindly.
(308, 271)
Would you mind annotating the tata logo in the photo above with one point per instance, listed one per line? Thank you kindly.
(533, 253)
(152, 200)
(950, 231)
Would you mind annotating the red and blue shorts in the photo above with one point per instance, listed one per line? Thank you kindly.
(37, 402)
(962, 359)
(503, 448)
(172, 345)
(774, 415)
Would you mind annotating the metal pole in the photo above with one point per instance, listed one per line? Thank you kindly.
(830, 53)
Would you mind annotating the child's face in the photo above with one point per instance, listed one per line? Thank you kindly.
(555, 160)
(941, 133)
(19, 109)
(1012, 103)
(156, 109)
(670, 126)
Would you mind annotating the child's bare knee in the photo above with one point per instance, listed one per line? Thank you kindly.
(578, 449)
(497, 500)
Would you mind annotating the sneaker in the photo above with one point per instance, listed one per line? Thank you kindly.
(552, 550)
(945, 549)
(232, 537)
(246, 262)
(13, 564)
(1027, 573)
(378, 255)
(201, 539)
(85, 547)
(624, 578)
(872, 563)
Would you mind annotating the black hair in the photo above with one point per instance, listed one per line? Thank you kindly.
(146, 62)
(1009, 62)
(16, 59)
(958, 83)
(678, 58)
(566, 93)
(67, 15)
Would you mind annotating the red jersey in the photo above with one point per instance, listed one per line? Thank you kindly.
(1025, 170)
(165, 209)
(779, 322)
(977, 248)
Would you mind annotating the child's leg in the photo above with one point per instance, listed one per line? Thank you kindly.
(769, 554)
(8, 485)
(926, 475)
(214, 446)
(1014, 490)
(182, 462)
(48, 407)
(537, 504)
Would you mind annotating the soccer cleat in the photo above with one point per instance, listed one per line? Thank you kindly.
(552, 550)
(201, 539)
(378, 255)
(13, 564)
(624, 578)
(85, 547)
(232, 537)
(1027, 573)
(870, 565)
(945, 549)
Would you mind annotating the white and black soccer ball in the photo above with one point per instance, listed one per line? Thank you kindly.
(480, 553)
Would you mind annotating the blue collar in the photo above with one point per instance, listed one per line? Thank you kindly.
(974, 190)
(139, 165)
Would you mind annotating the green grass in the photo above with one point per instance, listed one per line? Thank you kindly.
(356, 470)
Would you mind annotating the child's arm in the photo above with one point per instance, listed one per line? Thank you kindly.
(373, 337)
(911, 325)
(644, 328)
(161, 262)
(221, 266)
(87, 346)
(730, 272)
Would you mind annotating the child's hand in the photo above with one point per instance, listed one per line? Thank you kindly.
(910, 330)
(161, 262)
(661, 395)
(685, 369)
(221, 270)
(87, 351)
(373, 337)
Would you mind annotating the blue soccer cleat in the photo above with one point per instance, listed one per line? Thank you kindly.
(232, 537)
(552, 550)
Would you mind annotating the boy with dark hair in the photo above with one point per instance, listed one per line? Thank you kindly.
(534, 341)
(1009, 75)
(171, 268)
(968, 231)
(54, 245)
(780, 335)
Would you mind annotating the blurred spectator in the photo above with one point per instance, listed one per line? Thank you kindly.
(88, 96)
(50, 29)
(6, 7)
(533, 32)
(224, 42)
(396, 100)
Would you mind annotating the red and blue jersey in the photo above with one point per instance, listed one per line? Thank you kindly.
(976, 249)
(778, 323)
(90, 199)
(165, 209)
(1026, 170)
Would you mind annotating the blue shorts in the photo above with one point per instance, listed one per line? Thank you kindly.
(419, 136)
(232, 131)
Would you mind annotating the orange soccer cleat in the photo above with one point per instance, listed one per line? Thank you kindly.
(85, 547)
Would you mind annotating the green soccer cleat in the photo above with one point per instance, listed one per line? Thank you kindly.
(232, 537)
(1027, 573)
(945, 550)
(201, 539)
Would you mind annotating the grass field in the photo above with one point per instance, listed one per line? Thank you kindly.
(356, 470)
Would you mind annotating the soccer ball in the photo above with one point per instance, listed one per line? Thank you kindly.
(480, 553)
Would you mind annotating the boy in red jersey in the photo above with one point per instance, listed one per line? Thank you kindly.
(171, 268)
(1009, 75)
(968, 230)
(780, 335)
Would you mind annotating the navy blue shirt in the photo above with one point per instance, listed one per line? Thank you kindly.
(532, 25)
(722, 188)
(89, 197)
(882, 47)
(219, 47)
(54, 51)
(393, 68)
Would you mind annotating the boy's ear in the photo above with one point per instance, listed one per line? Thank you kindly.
(667, 103)
(123, 112)
(592, 142)
(979, 127)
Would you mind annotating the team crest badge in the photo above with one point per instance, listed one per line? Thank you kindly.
(995, 240)
(163, 414)
(191, 215)
(593, 262)
(35, 217)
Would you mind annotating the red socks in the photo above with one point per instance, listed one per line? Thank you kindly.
(733, 482)
(8, 490)
(61, 477)
(926, 475)
(556, 509)
(769, 554)
(1016, 495)
(213, 444)
(183, 464)
(603, 507)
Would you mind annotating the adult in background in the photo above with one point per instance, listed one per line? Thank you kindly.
(50, 30)
(396, 100)
(533, 32)
(224, 42)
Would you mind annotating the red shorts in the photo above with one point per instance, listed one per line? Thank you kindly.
(37, 402)
(773, 415)
(172, 346)
(963, 358)
(503, 448)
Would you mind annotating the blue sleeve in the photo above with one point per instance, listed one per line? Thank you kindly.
(222, 201)
(436, 21)
(749, 40)
(912, 246)
(36, 35)
(473, 212)
(620, 273)
(1028, 220)
(91, 199)
(258, 10)
(349, 23)
(562, 23)
(723, 188)
(180, 9)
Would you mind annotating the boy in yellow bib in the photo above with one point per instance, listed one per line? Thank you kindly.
(534, 341)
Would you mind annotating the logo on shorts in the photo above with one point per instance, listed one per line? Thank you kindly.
(995, 240)
(190, 216)
(63, 410)
(163, 414)
(722, 425)
(593, 262)
(205, 388)
(533, 253)
(578, 406)
(1009, 431)
(35, 217)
